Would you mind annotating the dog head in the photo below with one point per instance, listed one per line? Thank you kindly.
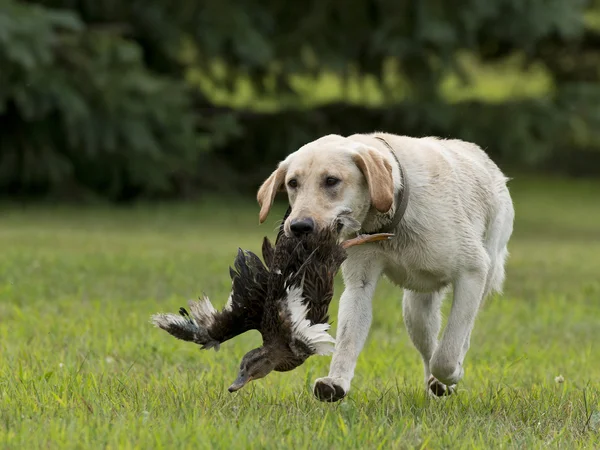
(333, 181)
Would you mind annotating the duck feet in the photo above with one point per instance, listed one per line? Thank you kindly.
(436, 388)
(330, 389)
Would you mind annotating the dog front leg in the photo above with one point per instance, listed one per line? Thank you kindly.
(354, 321)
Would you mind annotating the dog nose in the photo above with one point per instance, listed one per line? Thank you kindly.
(302, 226)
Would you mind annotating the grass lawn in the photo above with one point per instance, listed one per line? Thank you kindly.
(81, 367)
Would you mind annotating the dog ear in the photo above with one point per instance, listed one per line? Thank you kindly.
(266, 193)
(378, 173)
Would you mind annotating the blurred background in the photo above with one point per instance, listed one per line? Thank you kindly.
(127, 100)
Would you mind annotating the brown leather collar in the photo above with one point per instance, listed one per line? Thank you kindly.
(401, 196)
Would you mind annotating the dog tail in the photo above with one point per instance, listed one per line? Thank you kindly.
(498, 233)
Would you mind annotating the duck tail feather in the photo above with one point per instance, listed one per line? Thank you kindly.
(192, 327)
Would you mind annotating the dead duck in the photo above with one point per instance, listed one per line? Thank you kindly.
(286, 299)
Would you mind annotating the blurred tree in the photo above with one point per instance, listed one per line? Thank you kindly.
(93, 93)
(78, 108)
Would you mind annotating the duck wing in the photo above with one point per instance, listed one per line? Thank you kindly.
(206, 326)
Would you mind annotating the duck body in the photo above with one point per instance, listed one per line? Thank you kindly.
(286, 299)
(299, 291)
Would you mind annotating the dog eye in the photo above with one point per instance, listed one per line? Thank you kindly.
(293, 183)
(332, 181)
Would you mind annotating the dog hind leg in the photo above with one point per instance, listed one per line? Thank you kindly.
(422, 318)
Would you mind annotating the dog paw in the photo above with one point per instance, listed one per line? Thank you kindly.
(331, 389)
(436, 388)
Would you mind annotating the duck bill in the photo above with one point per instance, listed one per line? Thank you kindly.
(366, 238)
(239, 383)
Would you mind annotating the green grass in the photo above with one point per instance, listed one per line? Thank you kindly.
(81, 367)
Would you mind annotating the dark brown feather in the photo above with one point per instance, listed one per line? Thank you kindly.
(248, 294)
(268, 252)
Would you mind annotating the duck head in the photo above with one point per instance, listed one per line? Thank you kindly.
(257, 363)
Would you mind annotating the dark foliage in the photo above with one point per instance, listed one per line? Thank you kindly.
(79, 109)
(94, 98)
(539, 136)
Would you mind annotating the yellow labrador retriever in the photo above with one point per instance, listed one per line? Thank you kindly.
(452, 215)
